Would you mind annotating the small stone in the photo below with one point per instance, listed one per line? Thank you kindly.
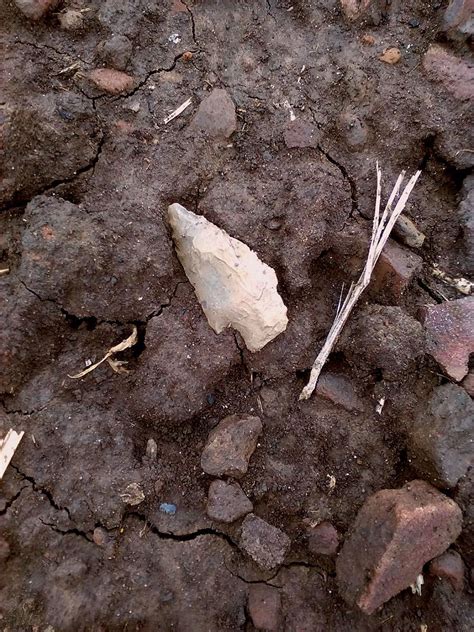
(414, 23)
(450, 334)
(35, 9)
(151, 449)
(215, 116)
(133, 494)
(323, 539)
(395, 270)
(264, 605)
(100, 536)
(71, 20)
(449, 566)
(4, 549)
(339, 390)
(187, 56)
(468, 383)
(158, 486)
(367, 40)
(264, 543)
(168, 508)
(408, 233)
(227, 502)
(300, 133)
(273, 224)
(354, 129)
(354, 9)
(111, 81)
(230, 445)
(455, 75)
(395, 533)
(115, 52)
(441, 438)
(391, 55)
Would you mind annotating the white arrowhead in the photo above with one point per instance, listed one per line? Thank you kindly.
(234, 287)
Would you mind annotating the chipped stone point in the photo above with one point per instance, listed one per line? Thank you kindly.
(234, 287)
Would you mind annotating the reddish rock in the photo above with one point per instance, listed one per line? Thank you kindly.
(354, 9)
(264, 604)
(215, 116)
(391, 55)
(450, 334)
(36, 9)
(300, 133)
(323, 539)
(455, 74)
(449, 566)
(227, 502)
(339, 390)
(230, 445)
(395, 533)
(441, 438)
(264, 543)
(111, 81)
(468, 383)
(394, 271)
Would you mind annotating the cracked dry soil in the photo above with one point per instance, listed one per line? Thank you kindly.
(87, 180)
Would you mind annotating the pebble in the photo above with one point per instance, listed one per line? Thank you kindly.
(230, 445)
(263, 542)
(323, 539)
(151, 449)
(264, 605)
(35, 9)
(132, 494)
(215, 116)
(100, 536)
(115, 52)
(227, 502)
(450, 335)
(367, 39)
(449, 566)
(441, 438)
(339, 390)
(391, 55)
(395, 533)
(111, 81)
(395, 270)
(71, 20)
(408, 233)
(168, 508)
(455, 74)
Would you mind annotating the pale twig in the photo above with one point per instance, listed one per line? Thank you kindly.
(381, 229)
(8, 445)
(178, 111)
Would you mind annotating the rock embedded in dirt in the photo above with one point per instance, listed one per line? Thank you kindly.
(230, 445)
(454, 74)
(450, 334)
(36, 9)
(391, 55)
(215, 117)
(384, 338)
(226, 502)
(394, 271)
(407, 232)
(300, 133)
(264, 605)
(263, 542)
(71, 20)
(354, 9)
(395, 533)
(339, 390)
(466, 216)
(323, 539)
(234, 287)
(115, 52)
(133, 494)
(459, 16)
(111, 81)
(449, 566)
(441, 437)
(100, 536)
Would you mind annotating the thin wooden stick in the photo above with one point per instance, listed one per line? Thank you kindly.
(381, 229)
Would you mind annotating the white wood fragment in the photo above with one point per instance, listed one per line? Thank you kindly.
(178, 111)
(8, 445)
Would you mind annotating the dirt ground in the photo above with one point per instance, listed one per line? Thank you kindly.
(88, 176)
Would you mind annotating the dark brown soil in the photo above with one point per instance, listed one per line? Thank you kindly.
(87, 181)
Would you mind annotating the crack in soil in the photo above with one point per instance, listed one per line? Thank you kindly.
(193, 23)
(72, 531)
(41, 48)
(350, 180)
(10, 502)
(42, 490)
